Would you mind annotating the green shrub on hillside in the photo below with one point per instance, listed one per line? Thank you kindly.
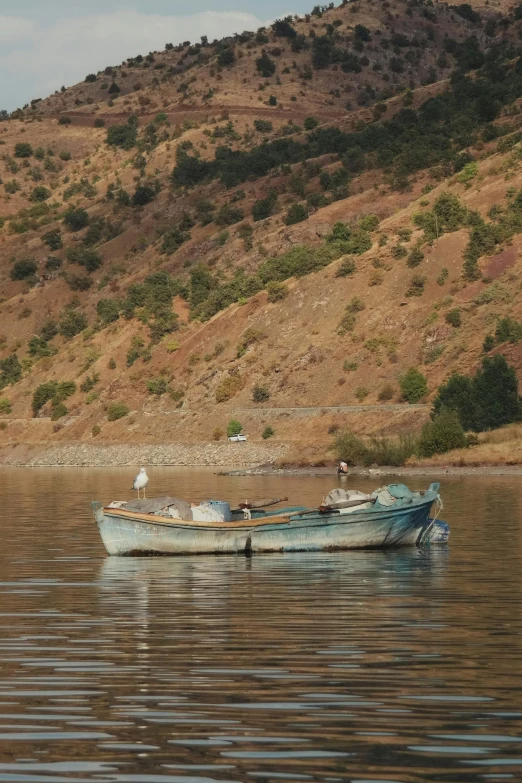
(508, 330)
(263, 126)
(349, 240)
(53, 239)
(157, 386)
(346, 268)
(300, 260)
(5, 406)
(226, 57)
(386, 393)
(296, 214)
(23, 150)
(228, 215)
(43, 394)
(454, 317)
(12, 187)
(117, 410)
(38, 347)
(264, 207)
(310, 123)
(260, 394)
(124, 136)
(399, 251)
(488, 344)
(173, 239)
(78, 282)
(276, 291)
(234, 427)
(143, 195)
(55, 391)
(86, 257)
(10, 370)
(72, 322)
(468, 173)
(415, 257)
(108, 310)
(59, 411)
(229, 387)
(23, 269)
(416, 287)
(413, 385)
(40, 194)
(265, 65)
(76, 218)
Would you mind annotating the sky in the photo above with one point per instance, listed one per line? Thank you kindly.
(45, 44)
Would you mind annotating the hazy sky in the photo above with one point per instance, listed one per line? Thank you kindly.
(47, 43)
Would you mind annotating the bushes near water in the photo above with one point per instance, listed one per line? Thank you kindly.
(381, 451)
(442, 434)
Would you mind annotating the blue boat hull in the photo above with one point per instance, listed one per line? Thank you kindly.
(129, 533)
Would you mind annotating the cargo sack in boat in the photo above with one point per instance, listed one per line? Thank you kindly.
(207, 512)
(394, 494)
(163, 507)
(339, 496)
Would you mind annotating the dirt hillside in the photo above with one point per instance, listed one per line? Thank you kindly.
(170, 249)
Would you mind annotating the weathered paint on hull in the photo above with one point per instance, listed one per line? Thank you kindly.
(125, 535)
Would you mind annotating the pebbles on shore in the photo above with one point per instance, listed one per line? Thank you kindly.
(182, 454)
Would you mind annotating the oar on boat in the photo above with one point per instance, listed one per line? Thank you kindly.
(254, 504)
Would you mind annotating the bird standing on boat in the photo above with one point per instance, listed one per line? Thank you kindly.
(141, 481)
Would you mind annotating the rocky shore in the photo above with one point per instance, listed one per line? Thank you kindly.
(421, 470)
(181, 454)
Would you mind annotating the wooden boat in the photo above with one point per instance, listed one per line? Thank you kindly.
(295, 529)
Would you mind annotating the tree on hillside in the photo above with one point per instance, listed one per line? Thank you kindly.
(283, 29)
(227, 57)
(265, 65)
(457, 395)
(124, 136)
(495, 393)
(487, 400)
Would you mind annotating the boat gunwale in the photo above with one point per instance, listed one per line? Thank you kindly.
(266, 522)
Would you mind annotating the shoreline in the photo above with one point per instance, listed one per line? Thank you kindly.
(229, 459)
(427, 470)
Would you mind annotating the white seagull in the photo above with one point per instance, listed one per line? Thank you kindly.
(141, 481)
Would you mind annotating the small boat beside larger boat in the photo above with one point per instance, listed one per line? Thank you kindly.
(392, 516)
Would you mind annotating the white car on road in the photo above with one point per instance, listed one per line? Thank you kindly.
(238, 438)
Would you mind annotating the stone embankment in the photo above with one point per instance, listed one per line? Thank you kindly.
(182, 454)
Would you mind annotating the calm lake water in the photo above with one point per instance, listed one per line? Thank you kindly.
(357, 666)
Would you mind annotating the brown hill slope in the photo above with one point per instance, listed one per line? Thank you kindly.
(303, 348)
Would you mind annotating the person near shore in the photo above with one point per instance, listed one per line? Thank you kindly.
(342, 468)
